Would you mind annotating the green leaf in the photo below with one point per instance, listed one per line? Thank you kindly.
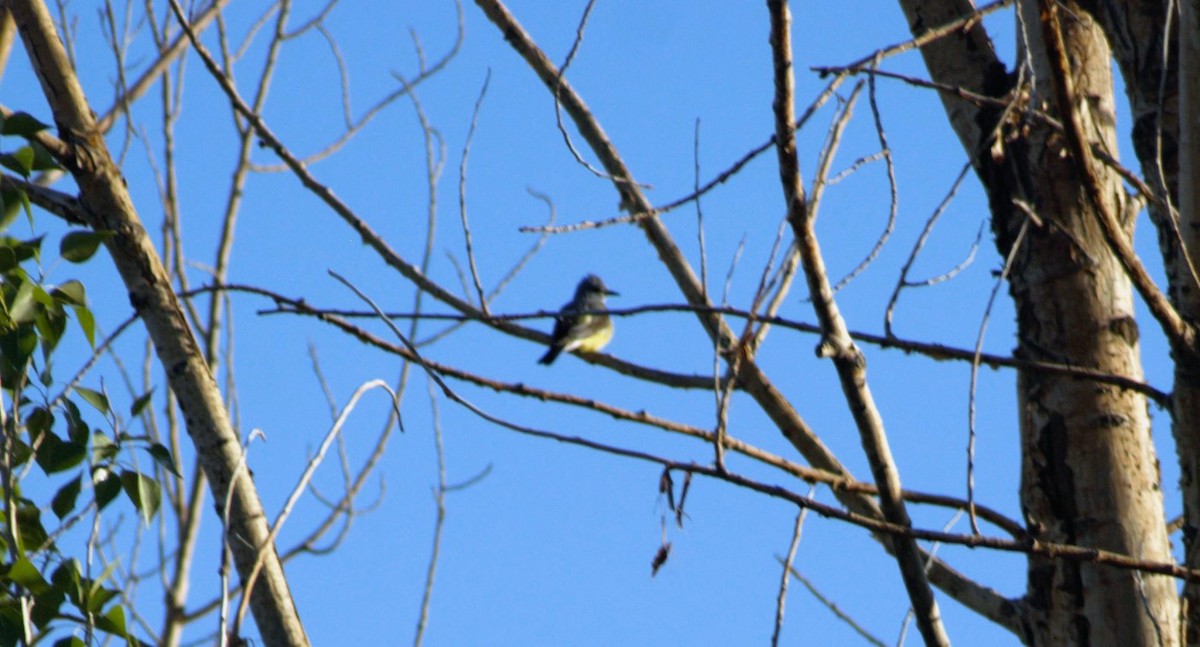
(8, 255)
(87, 323)
(16, 347)
(70, 293)
(139, 404)
(13, 252)
(97, 595)
(10, 206)
(43, 160)
(20, 452)
(64, 500)
(78, 246)
(162, 456)
(55, 456)
(94, 398)
(143, 491)
(107, 485)
(69, 642)
(67, 578)
(24, 156)
(19, 161)
(51, 324)
(21, 124)
(103, 448)
(45, 607)
(77, 429)
(11, 626)
(23, 200)
(24, 307)
(29, 521)
(113, 621)
(33, 245)
(46, 375)
(39, 421)
(42, 296)
(24, 573)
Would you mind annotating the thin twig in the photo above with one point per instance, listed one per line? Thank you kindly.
(227, 540)
(302, 482)
(833, 608)
(562, 71)
(721, 178)
(963, 24)
(781, 599)
(439, 523)
(321, 191)
(700, 244)
(902, 281)
(167, 55)
(971, 399)
(462, 194)
(893, 190)
(511, 274)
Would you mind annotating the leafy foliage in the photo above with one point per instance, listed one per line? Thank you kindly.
(88, 460)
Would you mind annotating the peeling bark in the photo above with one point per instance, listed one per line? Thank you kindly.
(1089, 471)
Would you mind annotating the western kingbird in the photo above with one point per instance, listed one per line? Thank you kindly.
(580, 325)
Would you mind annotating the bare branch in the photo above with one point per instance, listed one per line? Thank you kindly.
(1180, 332)
(306, 476)
(836, 342)
(1030, 546)
(158, 68)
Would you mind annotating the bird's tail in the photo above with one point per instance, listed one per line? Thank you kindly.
(550, 355)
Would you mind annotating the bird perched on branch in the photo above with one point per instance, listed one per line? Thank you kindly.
(582, 324)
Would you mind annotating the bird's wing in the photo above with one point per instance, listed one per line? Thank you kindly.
(563, 323)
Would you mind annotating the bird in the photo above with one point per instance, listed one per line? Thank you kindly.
(581, 324)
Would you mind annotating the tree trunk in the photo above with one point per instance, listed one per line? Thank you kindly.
(1159, 55)
(1089, 472)
(108, 207)
(1185, 293)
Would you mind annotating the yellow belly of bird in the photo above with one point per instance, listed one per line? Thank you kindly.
(594, 342)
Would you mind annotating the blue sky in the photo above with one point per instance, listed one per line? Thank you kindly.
(554, 545)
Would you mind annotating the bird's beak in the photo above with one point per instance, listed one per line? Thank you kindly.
(612, 293)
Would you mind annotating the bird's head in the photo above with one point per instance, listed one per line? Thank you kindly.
(592, 284)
